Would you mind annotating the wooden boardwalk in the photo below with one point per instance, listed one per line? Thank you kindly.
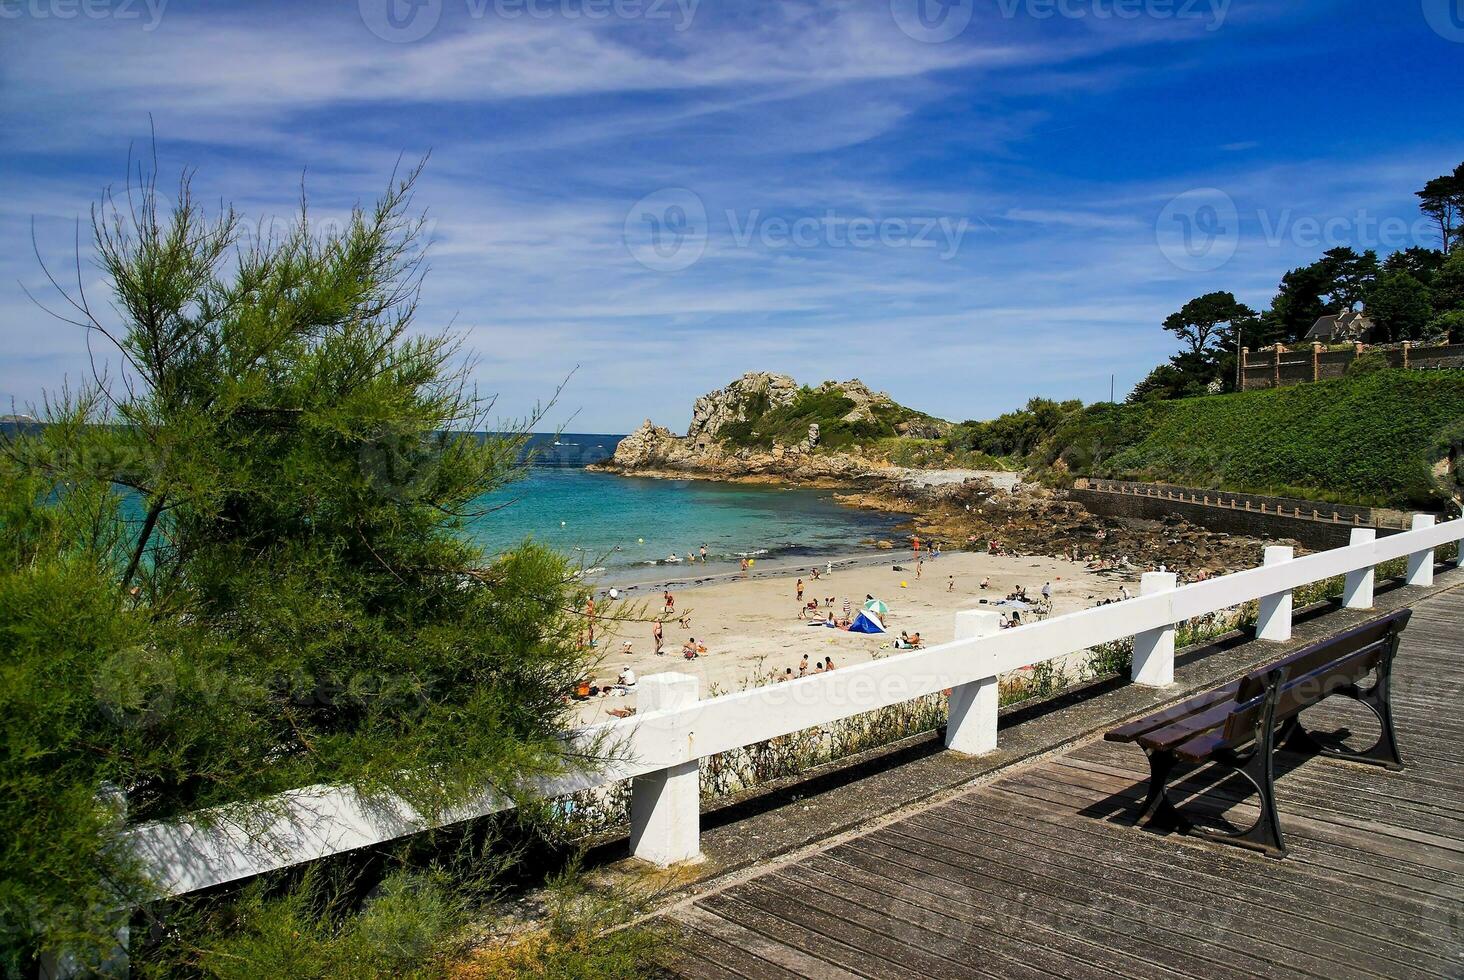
(1041, 872)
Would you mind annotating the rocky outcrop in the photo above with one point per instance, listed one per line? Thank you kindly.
(750, 394)
(707, 450)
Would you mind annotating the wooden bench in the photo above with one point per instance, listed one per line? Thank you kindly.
(1241, 725)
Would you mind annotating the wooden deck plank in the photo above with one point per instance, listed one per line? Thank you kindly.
(1041, 872)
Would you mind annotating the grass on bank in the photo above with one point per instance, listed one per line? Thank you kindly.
(1372, 439)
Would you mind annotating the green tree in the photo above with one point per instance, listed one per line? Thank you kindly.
(1297, 306)
(1400, 306)
(1448, 284)
(1420, 263)
(1348, 276)
(1199, 324)
(1442, 199)
(242, 567)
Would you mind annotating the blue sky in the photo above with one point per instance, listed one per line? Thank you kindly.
(964, 211)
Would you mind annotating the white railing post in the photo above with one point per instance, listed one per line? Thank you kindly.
(665, 806)
(1274, 621)
(1357, 593)
(1421, 563)
(1154, 649)
(971, 727)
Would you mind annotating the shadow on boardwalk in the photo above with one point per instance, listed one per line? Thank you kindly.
(1042, 873)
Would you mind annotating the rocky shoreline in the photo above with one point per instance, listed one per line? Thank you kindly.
(964, 509)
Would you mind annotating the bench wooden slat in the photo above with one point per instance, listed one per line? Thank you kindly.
(1142, 726)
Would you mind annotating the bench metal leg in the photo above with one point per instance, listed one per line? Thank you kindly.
(1258, 767)
(1158, 808)
(1384, 752)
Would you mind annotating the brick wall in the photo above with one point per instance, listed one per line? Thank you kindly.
(1270, 368)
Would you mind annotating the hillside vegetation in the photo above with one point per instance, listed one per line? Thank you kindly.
(1373, 439)
(843, 422)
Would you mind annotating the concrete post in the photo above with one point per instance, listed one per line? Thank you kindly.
(1274, 621)
(1154, 649)
(665, 806)
(971, 727)
(1357, 593)
(1421, 563)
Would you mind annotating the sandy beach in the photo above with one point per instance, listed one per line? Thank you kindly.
(753, 632)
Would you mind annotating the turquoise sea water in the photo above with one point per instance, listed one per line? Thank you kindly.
(630, 524)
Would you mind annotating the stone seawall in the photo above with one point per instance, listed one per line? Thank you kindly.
(1315, 524)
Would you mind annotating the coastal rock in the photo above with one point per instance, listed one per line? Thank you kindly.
(726, 439)
(752, 394)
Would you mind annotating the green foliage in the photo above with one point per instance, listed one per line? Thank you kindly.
(1400, 306)
(788, 424)
(1371, 362)
(1014, 434)
(932, 454)
(1446, 328)
(243, 570)
(404, 921)
(1372, 439)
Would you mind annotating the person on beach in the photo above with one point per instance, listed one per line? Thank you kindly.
(800, 590)
(670, 603)
(742, 567)
(626, 680)
(919, 567)
(828, 663)
(685, 621)
(688, 649)
(787, 675)
(829, 567)
(951, 584)
(658, 637)
(625, 649)
(1047, 591)
(986, 582)
(803, 666)
(813, 573)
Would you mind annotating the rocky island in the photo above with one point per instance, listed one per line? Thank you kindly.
(766, 427)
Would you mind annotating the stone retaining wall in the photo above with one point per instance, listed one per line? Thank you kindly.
(1315, 524)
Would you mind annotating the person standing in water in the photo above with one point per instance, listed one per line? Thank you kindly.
(704, 553)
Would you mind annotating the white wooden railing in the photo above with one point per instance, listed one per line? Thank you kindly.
(660, 746)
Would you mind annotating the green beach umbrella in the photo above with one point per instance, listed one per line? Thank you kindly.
(877, 606)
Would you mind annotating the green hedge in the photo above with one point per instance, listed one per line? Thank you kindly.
(1372, 439)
